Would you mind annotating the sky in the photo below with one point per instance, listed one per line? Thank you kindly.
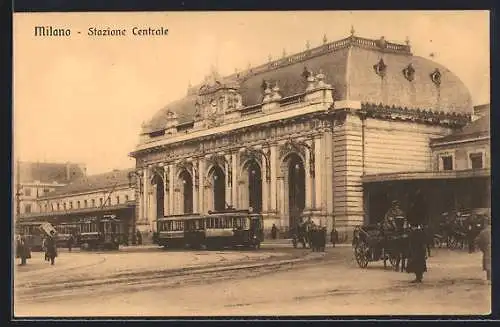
(83, 99)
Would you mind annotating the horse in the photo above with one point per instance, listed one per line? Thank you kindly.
(396, 244)
(302, 235)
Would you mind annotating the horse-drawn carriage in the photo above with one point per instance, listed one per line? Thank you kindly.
(456, 229)
(374, 243)
(310, 235)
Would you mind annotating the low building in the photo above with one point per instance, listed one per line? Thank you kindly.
(460, 176)
(110, 193)
(36, 179)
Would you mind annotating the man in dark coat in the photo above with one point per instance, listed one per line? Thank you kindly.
(51, 249)
(393, 212)
(22, 249)
(71, 240)
(274, 231)
(334, 236)
(483, 241)
(139, 238)
(417, 253)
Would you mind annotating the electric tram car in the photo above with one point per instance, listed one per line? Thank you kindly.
(100, 233)
(64, 232)
(178, 231)
(230, 228)
(32, 233)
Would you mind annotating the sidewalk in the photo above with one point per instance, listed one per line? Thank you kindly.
(288, 242)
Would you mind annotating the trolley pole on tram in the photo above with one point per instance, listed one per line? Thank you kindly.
(98, 220)
(18, 190)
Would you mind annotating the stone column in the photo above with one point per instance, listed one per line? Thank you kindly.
(165, 191)
(139, 198)
(280, 181)
(234, 181)
(308, 177)
(201, 185)
(145, 195)
(153, 212)
(195, 191)
(171, 198)
(318, 174)
(228, 192)
(265, 185)
(274, 177)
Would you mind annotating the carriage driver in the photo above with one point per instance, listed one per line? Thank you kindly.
(393, 212)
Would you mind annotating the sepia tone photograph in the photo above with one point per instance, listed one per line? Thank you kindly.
(298, 163)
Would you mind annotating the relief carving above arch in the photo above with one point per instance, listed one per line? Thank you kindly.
(291, 146)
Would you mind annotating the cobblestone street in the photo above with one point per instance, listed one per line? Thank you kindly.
(278, 281)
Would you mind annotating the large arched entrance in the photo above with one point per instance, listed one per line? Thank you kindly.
(160, 195)
(219, 188)
(187, 191)
(254, 186)
(296, 189)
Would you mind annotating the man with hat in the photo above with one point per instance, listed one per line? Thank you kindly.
(483, 242)
(393, 212)
(417, 253)
(22, 248)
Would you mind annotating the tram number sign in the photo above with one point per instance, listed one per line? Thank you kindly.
(48, 229)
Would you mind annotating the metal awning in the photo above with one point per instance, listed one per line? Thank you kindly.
(426, 175)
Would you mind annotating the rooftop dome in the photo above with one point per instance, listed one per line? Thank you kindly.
(359, 69)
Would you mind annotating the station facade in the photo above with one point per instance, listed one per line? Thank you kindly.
(299, 137)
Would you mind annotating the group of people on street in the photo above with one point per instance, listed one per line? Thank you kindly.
(23, 248)
(419, 242)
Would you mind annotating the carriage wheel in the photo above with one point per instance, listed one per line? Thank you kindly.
(453, 243)
(393, 260)
(437, 242)
(361, 254)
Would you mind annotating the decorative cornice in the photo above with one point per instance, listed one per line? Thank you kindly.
(369, 110)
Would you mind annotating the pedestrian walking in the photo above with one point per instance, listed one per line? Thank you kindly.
(22, 249)
(70, 242)
(483, 242)
(139, 238)
(274, 231)
(417, 253)
(334, 236)
(51, 249)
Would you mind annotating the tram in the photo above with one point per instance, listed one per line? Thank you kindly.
(175, 231)
(233, 228)
(100, 233)
(32, 233)
(230, 228)
(64, 232)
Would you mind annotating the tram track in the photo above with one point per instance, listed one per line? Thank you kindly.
(47, 271)
(131, 282)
